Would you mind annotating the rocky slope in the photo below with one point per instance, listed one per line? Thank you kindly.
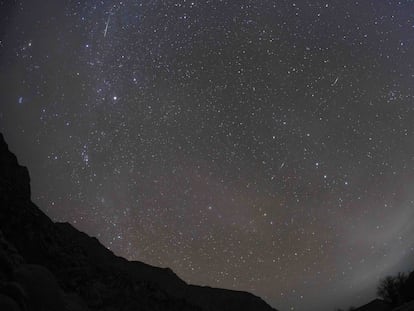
(52, 266)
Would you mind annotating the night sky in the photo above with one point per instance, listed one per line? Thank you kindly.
(265, 146)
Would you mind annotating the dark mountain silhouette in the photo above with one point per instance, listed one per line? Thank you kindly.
(381, 305)
(409, 306)
(53, 266)
(376, 305)
(409, 287)
(404, 294)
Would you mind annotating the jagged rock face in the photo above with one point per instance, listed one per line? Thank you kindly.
(10, 258)
(79, 273)
(14, 179)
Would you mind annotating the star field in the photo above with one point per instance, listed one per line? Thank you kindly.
(264, 145)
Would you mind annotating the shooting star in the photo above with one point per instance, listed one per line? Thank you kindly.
(335, 82)
(106, 26)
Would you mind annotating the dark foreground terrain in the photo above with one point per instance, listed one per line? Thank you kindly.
(381, 305)
(53, 266)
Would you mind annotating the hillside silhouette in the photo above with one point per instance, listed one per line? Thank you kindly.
(396, 293)
(53, 266)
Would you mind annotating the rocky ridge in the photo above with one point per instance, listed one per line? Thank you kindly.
(53, 266)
